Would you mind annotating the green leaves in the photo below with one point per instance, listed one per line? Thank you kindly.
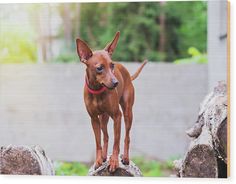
(185, 25)
(196, 57)
(193, 51)
(16, 46)
(71, 169)
(140, 24)
(154, 168)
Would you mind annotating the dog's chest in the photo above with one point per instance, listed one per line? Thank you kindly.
(97, 105)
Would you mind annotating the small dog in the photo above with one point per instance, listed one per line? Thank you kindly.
(108, 84)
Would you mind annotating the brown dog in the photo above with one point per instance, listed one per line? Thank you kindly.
(107, 85)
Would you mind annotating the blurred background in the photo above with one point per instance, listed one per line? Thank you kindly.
(41, 77)
(159, 31)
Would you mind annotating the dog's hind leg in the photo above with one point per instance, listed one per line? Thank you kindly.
(126, 103)
(104, 118)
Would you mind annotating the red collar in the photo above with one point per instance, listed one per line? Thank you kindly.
(93, 91)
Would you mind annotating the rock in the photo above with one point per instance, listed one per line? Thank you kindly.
(123, 170)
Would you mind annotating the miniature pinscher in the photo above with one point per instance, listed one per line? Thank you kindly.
(108, 86)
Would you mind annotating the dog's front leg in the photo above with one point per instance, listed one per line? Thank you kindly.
(97, 132)
(114, 162)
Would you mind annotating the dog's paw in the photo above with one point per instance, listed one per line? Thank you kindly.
(98, 163)
(104, 159)
(113, 164)
(125, 160)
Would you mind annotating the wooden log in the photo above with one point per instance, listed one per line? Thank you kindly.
(124, 170)
(200, 160)
(207, 153)
(24, 160)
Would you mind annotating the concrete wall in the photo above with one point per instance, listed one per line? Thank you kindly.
(217, 41)
(43, 104)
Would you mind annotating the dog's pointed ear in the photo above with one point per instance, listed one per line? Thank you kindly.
(83, 50)
(112, 45)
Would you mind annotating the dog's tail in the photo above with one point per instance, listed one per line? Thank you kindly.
(136, 74)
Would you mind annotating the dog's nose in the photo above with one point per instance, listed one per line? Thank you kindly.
(115, 84)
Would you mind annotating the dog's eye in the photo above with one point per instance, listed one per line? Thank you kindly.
(112, 66)
(99, 69)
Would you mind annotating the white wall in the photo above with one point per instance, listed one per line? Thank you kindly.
(43, 104)
(217, 42)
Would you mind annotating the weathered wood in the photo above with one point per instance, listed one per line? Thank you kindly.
(123, 170)
(208, 148)
(200, 160)
(24, 160)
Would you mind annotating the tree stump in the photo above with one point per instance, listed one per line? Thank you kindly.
(24, 160)
(123, 170)
(207, 153)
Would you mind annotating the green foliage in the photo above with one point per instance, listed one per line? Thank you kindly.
(185, 25)
(148, 168)
(17, 47)
(153, 167)
(139, 24)
(66, 57)
(71, 169)
(196, 57)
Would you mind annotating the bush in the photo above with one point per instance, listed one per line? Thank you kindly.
(71, 169)
(17, 47)
(66, 58)
(150, 167)
(196, 57)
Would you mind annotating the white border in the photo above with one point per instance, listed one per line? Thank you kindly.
(115, 180)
